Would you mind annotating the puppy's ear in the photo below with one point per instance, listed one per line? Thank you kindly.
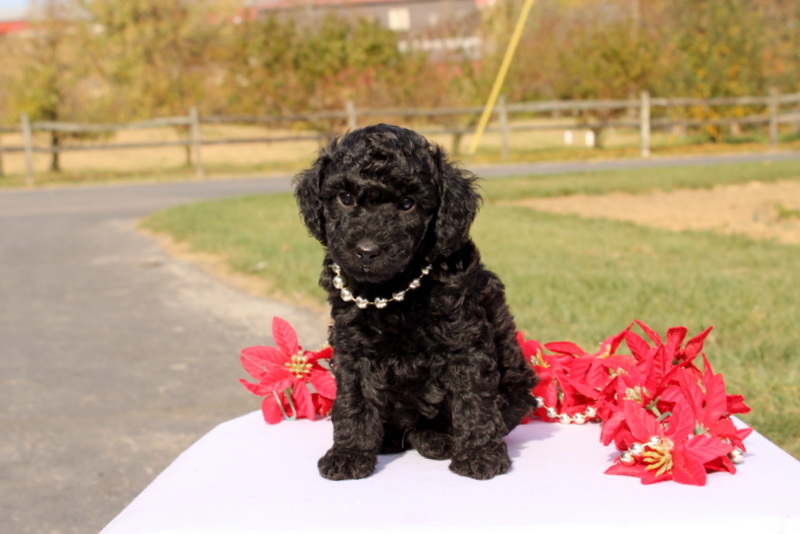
(307, 190)
(458, 205)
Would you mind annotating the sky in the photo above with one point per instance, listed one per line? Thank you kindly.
(6, 4)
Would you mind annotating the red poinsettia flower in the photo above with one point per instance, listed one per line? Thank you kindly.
(284, 375)
(671, 452)
(553, 388)
(674, 355)
(594, 371)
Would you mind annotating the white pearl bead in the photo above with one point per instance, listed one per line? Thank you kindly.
(626, 458)
(338, 282)
(655, 441)
(737, 455)
(591, 412)
(637, 449)
(399, 296)
(346, 295)
(551, 413)
(539, 402)
(380, 303)
(579, 418)
(564, 419)
(362, 302)
(415, 283)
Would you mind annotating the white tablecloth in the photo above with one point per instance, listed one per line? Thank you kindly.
(247, 477)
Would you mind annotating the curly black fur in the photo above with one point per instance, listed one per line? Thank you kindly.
(441, 370)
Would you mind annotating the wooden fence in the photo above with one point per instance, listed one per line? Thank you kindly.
(642, 114)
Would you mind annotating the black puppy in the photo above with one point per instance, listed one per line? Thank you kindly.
(424, 344)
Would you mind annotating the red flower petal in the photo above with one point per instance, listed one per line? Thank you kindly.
(716, 401)
(636, 470)
(285, 336)
(324, 354)
(691, 390)
(675, 337)
(638, 346)
(614, 341)
(272, 412)
(723, 463)
(643, 424)
(682, 421)
(565, 347)
(277, 379)
(695, 345)
(736, 404)
(654, 337)
(323, 406)
(687, 469)
(303, 401)
(252, 369)
(649, 477)
(323, 382)
(265, 356)
(255, 389)
(706, 448)
(610, 427)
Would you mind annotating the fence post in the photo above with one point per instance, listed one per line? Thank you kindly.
(502, 112)
(352, 118)
(27, 141)
(644, 123)
(773, 118)
(194, 117)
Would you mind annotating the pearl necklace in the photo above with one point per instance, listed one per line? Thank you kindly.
(347, 294)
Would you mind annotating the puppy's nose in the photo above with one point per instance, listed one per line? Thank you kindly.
(367, 250)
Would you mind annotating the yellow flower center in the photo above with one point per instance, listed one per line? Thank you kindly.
(636, 394)
(299, 365)
(538, 359)
(658, 457)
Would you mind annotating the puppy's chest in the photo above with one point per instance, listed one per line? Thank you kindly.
(403, 359)
(413, 381)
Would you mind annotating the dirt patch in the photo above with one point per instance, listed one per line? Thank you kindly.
(763, 211)
(217, 265)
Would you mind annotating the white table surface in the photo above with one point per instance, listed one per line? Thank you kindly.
(246, 477)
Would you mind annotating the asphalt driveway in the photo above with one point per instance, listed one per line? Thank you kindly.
(114, 357)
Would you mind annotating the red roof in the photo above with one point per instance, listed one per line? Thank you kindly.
(12, 26)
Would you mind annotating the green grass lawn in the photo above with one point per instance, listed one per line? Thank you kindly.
(581, 280)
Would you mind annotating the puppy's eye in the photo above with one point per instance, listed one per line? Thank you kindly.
(347, 200)
(406, 203)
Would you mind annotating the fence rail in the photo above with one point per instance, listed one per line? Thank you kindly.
(603, 117)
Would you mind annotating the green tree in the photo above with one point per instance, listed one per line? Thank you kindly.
(721, 51)
(156, 55)
(299, 65)
(52, 82)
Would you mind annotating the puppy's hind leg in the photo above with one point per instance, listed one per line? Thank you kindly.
(432, 444)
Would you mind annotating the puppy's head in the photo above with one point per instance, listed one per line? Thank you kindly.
(382, 198)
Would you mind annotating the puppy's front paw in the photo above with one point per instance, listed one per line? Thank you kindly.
(342, 464)
(481, 463)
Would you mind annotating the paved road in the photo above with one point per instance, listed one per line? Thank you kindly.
(115, 357)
